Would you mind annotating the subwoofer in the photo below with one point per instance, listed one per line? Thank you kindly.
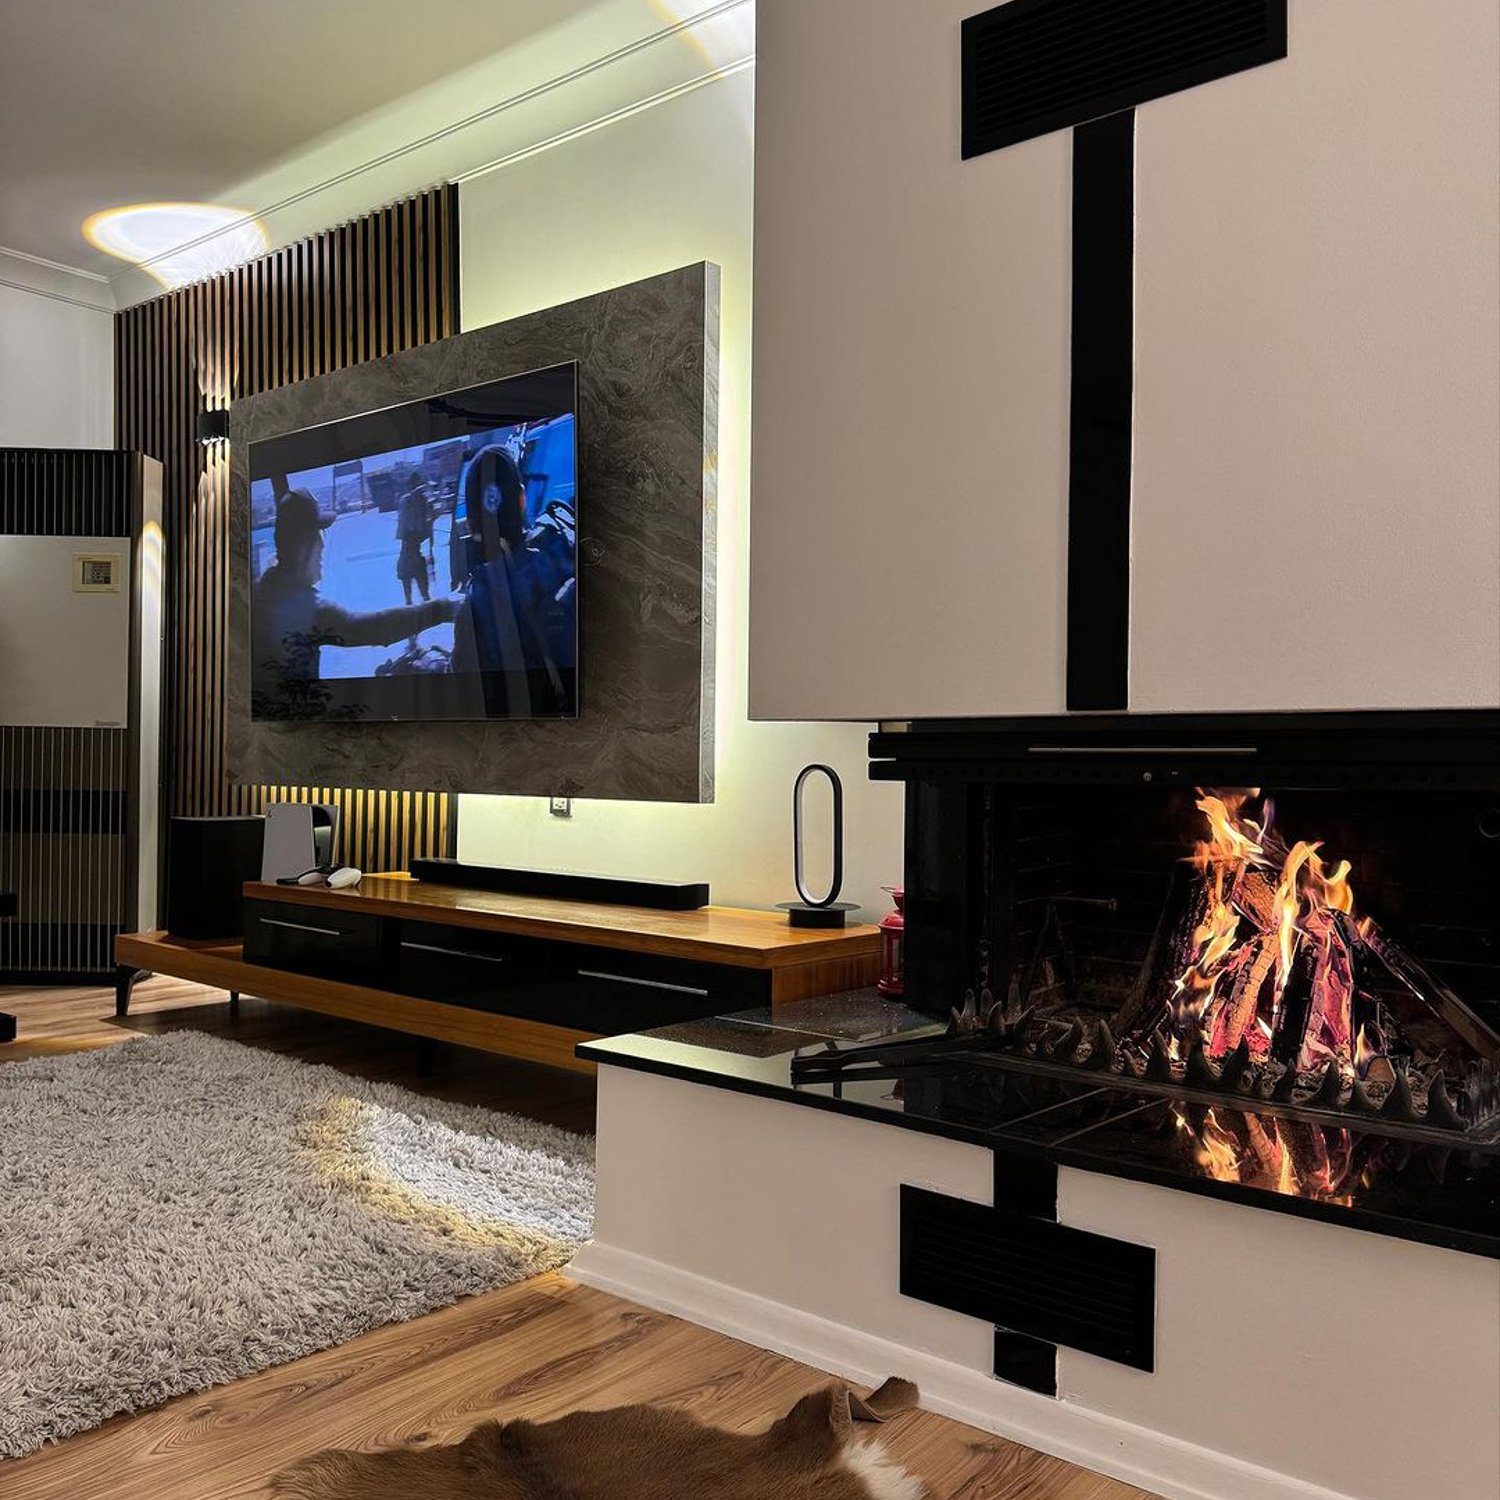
(208, 862)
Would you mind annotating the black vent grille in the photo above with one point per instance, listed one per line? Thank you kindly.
(1035, 66)
(1067, 1286)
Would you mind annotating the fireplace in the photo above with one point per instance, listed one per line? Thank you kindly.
(1190, 1003)
(1294, 913)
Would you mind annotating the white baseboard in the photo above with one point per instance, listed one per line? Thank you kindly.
(1154, 1462)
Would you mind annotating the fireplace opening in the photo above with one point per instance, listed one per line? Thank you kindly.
(1327, 951)
(1316, 940)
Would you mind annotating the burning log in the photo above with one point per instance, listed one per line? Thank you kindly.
(1296, 1003)
(1254, 897)
(1253, 993)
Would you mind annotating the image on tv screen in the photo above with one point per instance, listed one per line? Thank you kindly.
(420, 562)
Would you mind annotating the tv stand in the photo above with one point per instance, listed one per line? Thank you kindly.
(527, 976)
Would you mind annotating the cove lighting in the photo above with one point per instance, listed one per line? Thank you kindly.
(177, 242)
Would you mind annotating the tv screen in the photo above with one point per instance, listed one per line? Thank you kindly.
(420, 562)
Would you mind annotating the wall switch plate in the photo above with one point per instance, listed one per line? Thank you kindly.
(96, 572)
(560, 807)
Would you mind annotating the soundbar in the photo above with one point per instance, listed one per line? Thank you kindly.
(661, 895)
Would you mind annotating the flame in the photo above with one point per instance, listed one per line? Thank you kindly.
(1223, 856)
(1228, 842)
(1287, 907)
(1272, 951)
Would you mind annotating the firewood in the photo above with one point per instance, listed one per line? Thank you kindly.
(1296, 1003)
(1252, 990)
(1254, 897)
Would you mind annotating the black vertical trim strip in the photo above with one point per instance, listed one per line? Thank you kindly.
(1100, 427)
(1025, 1361)
(1026, 1185)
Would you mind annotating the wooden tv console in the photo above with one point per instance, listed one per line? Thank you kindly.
(526, 976)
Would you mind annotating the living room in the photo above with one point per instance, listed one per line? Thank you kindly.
(566, 931)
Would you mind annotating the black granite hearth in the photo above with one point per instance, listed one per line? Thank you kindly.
(1437, 1194)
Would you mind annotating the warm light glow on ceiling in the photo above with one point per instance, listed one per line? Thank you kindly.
(721, 39)
(178, 242)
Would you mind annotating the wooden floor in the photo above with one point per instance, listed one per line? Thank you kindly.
(64, 1020)
(539, 1349)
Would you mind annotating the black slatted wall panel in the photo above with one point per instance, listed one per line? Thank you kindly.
(380, 284)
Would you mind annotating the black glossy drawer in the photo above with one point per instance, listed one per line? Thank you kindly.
(583, 988)
(316, 940)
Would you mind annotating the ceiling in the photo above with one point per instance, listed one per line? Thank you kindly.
(104, 102)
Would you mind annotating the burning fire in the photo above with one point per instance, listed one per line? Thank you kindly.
(1270, 953)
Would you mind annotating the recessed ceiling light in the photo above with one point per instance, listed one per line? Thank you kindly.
(178, 242)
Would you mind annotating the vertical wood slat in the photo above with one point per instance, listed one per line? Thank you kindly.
(383, 282)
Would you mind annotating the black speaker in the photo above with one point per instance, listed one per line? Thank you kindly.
(208, 862)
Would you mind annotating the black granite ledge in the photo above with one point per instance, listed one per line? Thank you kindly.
(1435, 1195)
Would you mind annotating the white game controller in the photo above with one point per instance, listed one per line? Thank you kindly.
(344, 875)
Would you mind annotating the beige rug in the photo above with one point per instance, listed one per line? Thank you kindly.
(634, 1453)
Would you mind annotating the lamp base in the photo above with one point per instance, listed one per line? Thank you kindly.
(800, 914)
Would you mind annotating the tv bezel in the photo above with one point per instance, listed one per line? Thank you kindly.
(379, 700)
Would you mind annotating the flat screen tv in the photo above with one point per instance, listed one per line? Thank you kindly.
(420, 562)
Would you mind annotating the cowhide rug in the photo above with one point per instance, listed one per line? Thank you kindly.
(634, 1453)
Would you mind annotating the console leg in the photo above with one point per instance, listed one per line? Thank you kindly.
(7, 1026)
(125, 978)
(234, 1002)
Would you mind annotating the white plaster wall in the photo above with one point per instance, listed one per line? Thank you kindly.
(1316, 518)
(736, 1189)
(57, 373)
(1316, 508)
(664, 188)
(911, 365)
(1366, 1364)
(1295, 1360)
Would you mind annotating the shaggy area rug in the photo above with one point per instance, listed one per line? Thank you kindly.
(180, 1211)
(634, 1453)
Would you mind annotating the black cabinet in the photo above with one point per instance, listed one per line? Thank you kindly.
(579, 986)
(312, 940)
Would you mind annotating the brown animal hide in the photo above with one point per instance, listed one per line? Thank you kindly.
(633, 1453)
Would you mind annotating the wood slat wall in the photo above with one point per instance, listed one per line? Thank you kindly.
(382, 283)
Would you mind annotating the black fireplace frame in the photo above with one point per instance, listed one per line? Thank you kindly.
(951, 768)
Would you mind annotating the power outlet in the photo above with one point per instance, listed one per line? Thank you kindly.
(560, 807)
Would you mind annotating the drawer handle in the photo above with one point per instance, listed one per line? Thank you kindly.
(301, 927)
(484, 958)
(650, 984)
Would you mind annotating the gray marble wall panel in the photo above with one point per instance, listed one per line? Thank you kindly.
(648, 361)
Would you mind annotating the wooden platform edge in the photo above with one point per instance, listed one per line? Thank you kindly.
(220, 965)
(588, 926)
